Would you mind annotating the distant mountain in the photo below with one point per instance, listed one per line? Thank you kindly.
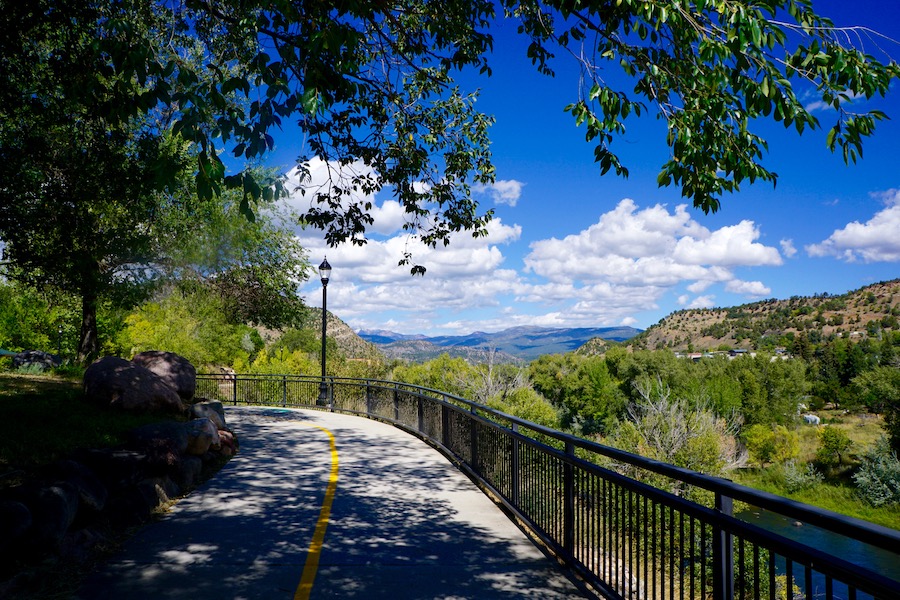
(382, 336)
(510, 345)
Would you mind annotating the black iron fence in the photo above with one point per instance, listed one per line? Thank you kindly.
(624, 537)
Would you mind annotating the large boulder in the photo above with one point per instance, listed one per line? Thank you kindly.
(118, 383)
(53, 510)
(15, 520)
(35, 359)
(91, 491)
(163, 444)
(176, 371)
(202, 435)
(209, 409)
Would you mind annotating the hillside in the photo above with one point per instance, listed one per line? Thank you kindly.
(353, 346)
(859, 313)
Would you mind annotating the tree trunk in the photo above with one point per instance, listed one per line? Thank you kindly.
(88, 344)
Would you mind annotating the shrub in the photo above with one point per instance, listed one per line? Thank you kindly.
(878, 477)
(771, 443)
(797, 478)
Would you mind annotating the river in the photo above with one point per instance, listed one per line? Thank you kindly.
(865, 555)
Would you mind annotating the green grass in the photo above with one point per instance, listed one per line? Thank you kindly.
(43, 418)
(837, 492)
(835, 496)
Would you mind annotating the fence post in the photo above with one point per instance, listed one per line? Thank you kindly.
(331, 395)
(283, 391)
(569, 503)
(234, 383)
(420, 409)
(515, 466)
(445, 425)
(396, 402)
(368, 398)
(723, 553)
(473, 440)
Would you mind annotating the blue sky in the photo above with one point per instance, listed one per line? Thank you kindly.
(569, 248)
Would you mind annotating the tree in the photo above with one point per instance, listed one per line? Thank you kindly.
(372, 87)
(581, 388)
(80, 183)
(30, 320)
(75, 210)
(191, 325)
(879, 389)
(252, 267)
(878, 477)
(665, 428)
(834, 444)
(445, 374)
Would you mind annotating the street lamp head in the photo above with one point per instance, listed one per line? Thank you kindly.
(325, 271)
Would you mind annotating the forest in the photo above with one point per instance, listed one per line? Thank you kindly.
(737, 417)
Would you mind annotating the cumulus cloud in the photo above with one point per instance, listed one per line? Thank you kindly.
(650, 247)
(503, 191)
(748, 288)
(787, 248)
(733, 245)
(604, 275)
(876, 240)
(702, 302)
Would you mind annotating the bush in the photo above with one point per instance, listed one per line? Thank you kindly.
(878, 477)
(797, 478)
(771, 443)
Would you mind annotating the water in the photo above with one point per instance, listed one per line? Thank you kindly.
(870, 557)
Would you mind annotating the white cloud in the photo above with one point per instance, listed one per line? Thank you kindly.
(876, 240)
(787, 248)
(604, 275)
(729, 246)
(378, 261)
(650, 247)
(503, 191)
(821, 105)
(748, 288)
(702, 302)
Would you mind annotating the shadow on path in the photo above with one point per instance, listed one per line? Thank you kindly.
(405, 524)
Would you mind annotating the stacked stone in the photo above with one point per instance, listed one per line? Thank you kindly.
(69, 506)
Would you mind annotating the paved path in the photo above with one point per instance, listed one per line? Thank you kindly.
(404, 524)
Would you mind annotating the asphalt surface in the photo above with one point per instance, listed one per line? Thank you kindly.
(403, 523)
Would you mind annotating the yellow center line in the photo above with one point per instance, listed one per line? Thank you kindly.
(315, 546)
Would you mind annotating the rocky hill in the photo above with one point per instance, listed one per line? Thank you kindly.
(353, 346)
(860, 313)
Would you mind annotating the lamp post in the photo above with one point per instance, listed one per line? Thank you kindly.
(325, 274)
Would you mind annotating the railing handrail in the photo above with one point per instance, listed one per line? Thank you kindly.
(871, 533)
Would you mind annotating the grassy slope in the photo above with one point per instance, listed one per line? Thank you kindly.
(836, 493)
(44, 418)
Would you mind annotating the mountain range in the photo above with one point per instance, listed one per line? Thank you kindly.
(516, 344)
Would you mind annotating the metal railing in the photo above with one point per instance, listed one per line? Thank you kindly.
(624, 537)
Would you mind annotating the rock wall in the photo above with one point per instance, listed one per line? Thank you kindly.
(65, 510)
